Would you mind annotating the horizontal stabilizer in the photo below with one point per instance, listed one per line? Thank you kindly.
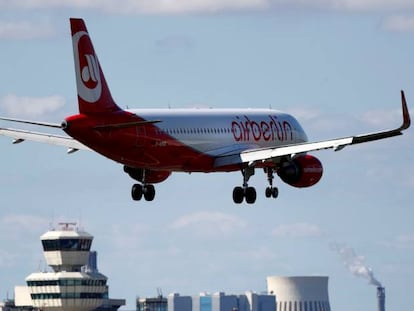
(55, 125)
(20, 136)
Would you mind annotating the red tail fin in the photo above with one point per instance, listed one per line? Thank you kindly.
(93, 92)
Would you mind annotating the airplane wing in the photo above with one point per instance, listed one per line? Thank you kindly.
(21, 135)
(267, 154)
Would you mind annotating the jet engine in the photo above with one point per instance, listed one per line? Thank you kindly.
(150, 176)
(302, 171)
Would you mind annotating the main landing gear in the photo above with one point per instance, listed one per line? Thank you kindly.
(147, 191)
(245, 192)
(143, 189)
(249, 193)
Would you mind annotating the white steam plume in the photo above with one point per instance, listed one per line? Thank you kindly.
(355, 263)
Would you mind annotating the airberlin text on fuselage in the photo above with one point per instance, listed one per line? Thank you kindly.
(244, 129)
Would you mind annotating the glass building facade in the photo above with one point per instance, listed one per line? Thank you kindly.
(206, 303)
(209, 302)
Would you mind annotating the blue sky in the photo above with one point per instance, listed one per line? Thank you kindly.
(336, 65)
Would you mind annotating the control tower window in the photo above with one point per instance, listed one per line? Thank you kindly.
(67, 245)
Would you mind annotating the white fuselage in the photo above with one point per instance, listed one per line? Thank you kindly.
(219, 131)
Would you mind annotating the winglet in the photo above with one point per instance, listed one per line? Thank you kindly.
(406, 115)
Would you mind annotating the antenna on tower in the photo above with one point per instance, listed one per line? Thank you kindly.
(66, 226)
(80, 221)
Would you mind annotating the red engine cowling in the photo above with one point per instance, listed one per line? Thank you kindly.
(151, 177)
(302, 171)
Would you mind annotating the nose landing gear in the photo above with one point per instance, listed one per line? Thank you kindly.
(271, 191)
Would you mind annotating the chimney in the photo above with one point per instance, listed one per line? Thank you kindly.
(381, 298)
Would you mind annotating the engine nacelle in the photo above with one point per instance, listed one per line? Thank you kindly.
(302, 171)
(151, 176)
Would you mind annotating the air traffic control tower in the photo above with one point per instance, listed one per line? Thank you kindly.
(73, 285)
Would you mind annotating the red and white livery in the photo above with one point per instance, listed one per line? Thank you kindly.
(153, 143)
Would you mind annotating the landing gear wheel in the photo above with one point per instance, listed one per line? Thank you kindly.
(238, 195)
(268, 192)
(149, 192)
(245, 192)
(136, 192)
(250, 194)
(272, 192)
(275, 192)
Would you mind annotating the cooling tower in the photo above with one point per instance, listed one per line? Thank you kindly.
(300, 293)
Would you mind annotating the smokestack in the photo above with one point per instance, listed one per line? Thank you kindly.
(355, 264)
(381, 298)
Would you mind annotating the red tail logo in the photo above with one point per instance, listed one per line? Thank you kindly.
(88, 75)
(93, 93)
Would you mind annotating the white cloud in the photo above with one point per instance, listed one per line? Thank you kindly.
(25, 30)
(32, 107)
(208, 6)
(174, 42)
(382, 117)
(405, 241)
(191, 6)
(297, 230)
(209, 223)
(141, 7)
(402, 241)
(14, 226)
(24, 223)
(371, 5)
(399, 23)
(126, 237)
(306, 113)
(6, 258)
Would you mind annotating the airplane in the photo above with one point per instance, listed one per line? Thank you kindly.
(153, 143)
